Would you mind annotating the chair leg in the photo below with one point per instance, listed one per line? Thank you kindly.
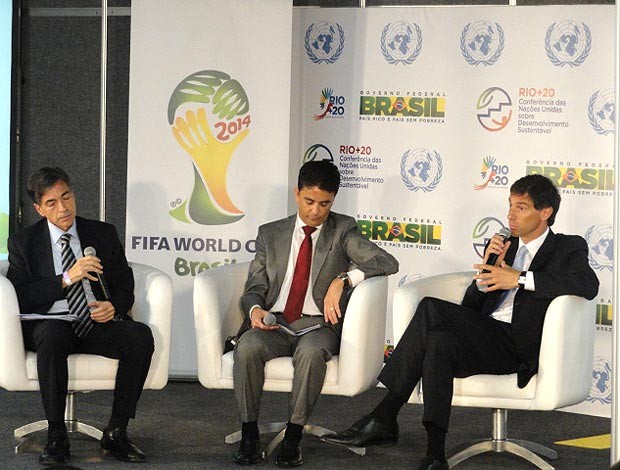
(280, 428)
(23, 433)
(499, 442)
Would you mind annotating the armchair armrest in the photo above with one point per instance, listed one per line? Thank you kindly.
(12, 352)
(363, 336)
(153, 306)
(217, 315)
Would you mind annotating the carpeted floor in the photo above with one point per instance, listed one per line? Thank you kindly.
(183, 427)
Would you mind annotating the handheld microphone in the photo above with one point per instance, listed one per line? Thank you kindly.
(269, 319)
(504, 232)
(90, 251)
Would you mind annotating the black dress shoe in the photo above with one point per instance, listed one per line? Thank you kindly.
(431, 463)
(248, 452)
(365, 432)
(56, 450)
(290, 454)
(116, 443)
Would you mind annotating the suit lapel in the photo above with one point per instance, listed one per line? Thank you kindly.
(323, 245)
(282, 240)
(544, 252)
(42, 250)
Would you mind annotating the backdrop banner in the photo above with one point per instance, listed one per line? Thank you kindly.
(432, 113)
(208, 139)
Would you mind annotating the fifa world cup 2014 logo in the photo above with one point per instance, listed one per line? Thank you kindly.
(205, 97)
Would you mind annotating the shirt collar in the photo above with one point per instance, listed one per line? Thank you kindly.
(56, 233)
(534, 245)
(300, 223)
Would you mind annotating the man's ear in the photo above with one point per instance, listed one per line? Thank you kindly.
(546, 213)
(38, 209)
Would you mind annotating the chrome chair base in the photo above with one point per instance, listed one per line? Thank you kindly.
(500, 443)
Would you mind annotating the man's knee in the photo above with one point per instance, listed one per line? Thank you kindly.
(53, 337)
(310, 356)
(441, 340)
(249, 345)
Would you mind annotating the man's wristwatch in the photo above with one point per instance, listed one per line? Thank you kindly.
(344, 277)
(522, 279)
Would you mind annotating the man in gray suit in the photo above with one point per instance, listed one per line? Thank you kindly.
(303, 265)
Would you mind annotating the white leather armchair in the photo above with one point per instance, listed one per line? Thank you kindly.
(217, 315)
(564, 373)
(87, 372)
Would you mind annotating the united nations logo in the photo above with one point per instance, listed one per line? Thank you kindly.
(324, 42)
(483, 232)
(600, 239)
(482, 43)
(409, 278)
(421, 169)
(602, 111)
(401, 42)
(318, 152)
(601, 382)
(568, 43)
(494, 109)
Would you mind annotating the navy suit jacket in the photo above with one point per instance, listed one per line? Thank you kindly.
(560, 267)
(31, 266)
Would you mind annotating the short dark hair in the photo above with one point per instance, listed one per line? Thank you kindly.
(541, 190)
(322, 174)
(43, 179)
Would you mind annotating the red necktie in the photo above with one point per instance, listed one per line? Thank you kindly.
(299, 286)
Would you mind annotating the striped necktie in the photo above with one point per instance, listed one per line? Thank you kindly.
(76, 297)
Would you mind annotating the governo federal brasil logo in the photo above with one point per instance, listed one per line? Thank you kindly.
(401, 42)
(568, 43)
(602, 112)
(482, 42)
(209, 114)
(324, 42)
(421, 169)
(494, 109)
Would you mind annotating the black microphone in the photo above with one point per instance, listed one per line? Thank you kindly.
(269, 319)
(90, 251)
(504, 232)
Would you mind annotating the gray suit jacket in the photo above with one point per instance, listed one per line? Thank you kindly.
(339, 248)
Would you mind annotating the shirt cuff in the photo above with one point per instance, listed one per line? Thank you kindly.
(529, 281)
(356, 276)
(252, 309)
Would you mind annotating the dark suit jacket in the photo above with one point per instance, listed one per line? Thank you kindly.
(560, 267)
(31, 266)
(339, 248)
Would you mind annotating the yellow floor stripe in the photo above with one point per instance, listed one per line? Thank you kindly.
(595, 442)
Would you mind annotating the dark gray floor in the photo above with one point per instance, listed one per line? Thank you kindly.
(183, 427)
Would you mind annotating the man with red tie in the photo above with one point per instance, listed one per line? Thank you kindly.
(303, 264)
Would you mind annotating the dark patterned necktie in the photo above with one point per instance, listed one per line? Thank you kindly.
(301, 276)
(76, 297)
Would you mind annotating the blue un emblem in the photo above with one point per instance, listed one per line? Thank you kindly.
(600, 239)
(401, 42)
(421, 169)
(600, 392)
(602, 111)
(568, 43)
(482, 43)
(324, 42)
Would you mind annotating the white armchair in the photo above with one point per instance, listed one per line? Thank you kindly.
(217, 315)
(87, 372)
(564, 373)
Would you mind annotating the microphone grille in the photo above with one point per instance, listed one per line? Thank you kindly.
(90, 251)
(269, 319)
(505, 232)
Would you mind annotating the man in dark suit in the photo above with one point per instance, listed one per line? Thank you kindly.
(43, 268)
(327, 247)
(497, 328)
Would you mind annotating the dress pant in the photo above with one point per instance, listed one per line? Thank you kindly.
(310, 353)
(443, 341)
(128, 341)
